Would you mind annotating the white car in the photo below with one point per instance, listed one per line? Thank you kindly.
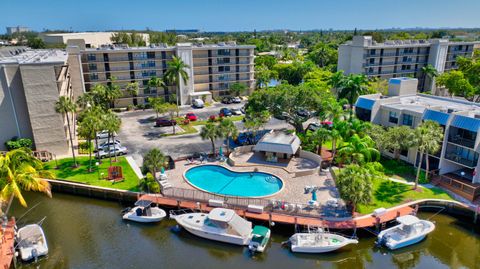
(106, 145)
(236, 111)
(106, 153)
(198, 103)
(103, 134)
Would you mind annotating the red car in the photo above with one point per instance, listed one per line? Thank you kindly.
(165, 122)
(191, 117)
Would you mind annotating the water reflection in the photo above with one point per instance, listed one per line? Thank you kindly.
(87, 233)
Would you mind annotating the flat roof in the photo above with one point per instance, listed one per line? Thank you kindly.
(278, 141)
(166, 47)
(33, 56)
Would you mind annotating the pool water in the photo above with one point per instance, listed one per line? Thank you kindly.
(219, 180)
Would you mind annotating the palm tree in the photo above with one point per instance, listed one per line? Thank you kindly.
(359, 150)
(155, 82)
(112, 92)
(176, 72)
(354, 183)
(19, 170)
(263, 75)
(153, 160)
(112, 124)
(87, 129)
(85, 100)
(228, 130)
(429, 72)
(212, 132)
(64, 106)
(132, 90)
(237, 89)
(320, 136)
(171, 109)
(350, 87)
(157, 104)
(428, 138)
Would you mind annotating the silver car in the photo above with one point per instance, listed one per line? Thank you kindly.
(106, 153)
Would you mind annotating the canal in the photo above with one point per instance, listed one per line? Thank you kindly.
(88, 233)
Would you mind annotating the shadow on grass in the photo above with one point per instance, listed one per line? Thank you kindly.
(391, 192)
(66, 169)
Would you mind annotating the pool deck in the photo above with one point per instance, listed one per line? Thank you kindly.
(293, 191)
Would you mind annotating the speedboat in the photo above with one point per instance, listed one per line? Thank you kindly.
(260, 238)
(220, 224)
(318, 242)
(144, 212)
(409, 231)
(31, 242)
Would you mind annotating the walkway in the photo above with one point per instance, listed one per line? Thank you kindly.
(134, 166)
(7, 244)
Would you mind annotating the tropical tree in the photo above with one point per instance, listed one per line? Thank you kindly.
(254, 121)
(396, 139)
(350, 87)
(132, 89)
(112, 124)
(379, 134)
(320, 136)
(158, 104)
(65, 106)
(228, 130)
(237, 89)
(263, 75)
(87, 128)
(19, 170)
(354, 183)
(359, 150)
(112, 93)
(157, 83)
(171, 109)
(429, 72)
(176, 72)
(428, 138)
(85, 100)
(212, 132)
(154, 160)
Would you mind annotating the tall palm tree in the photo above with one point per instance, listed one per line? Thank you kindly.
(85, 100)
(320, 136)
(359, 150)
(428, 138)
(354, 183)
(132, 90)
(430, 72)
(65, 106)
(228, 130)
(176, 72)
(351, 87)
(112, 93)
(153, 160)
(19, 170)
(87, 128)
(212, 132)
(335, 136)
(112, 124)
(157, 83)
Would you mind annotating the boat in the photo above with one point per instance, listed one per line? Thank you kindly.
(31, 242)
(318, 242)
(260, 238)
(220, 224)
(409, 231)
(144, 212)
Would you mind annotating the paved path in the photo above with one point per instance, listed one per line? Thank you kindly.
(134, 166)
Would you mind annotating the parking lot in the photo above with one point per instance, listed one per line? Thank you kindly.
(139, 134)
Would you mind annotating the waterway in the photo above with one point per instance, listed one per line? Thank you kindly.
(89, 233)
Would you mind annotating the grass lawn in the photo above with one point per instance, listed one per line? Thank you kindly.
(388, 193)
(81, 174)
(401, 170)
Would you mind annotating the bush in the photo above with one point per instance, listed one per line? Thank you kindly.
(149, 184)
(129, 107)
(16, 143)
(212, 118)
(85, 147)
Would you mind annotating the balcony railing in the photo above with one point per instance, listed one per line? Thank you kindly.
(457, 139)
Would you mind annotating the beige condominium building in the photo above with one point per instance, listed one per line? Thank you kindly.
(457, 161)
(212, 68)
(31, 81)
(401, 58)
(91, 39)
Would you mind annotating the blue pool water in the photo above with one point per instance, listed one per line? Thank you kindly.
(219, 180)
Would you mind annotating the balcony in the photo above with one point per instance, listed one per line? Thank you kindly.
(462, 137)
(461, 155)
(461, 185)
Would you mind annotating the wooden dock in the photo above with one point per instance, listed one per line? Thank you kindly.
(7, 243)
(351, 223)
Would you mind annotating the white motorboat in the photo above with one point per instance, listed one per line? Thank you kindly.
(144, 212)
(318, 242)
(409, 231)
(31, 242)
(260, 238)
(220, 224)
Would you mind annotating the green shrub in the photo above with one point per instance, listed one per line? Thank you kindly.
(85, 147)
(129, 107)
(16, 143)
(149, 184)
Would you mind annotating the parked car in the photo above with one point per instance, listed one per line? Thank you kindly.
(165, 122)
(243, 109)
(191, 116)
(236, 100)
(225, 112)
(315, 125)
(282, 116)
(198, 103)
(112, 152)
(303, 113)
(227, 100)
(236, 111)
(102, 135)
(106, 145)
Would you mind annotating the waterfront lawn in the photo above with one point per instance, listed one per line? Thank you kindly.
(401, 170)
(387, 193)
(81, 174)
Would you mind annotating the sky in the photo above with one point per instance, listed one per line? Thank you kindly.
(237, 15)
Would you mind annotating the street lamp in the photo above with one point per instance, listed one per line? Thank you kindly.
(98, 169)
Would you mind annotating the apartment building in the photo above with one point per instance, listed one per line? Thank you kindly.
(31, 81)
(457, 162)
(401, 58)
(92, 39)
(17, 29)
(212, 68)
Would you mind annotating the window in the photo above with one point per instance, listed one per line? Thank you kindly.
(407, 120)
(223, 52)
(93, 76)
(372, 60)
(150, 54)
(92, 67)
(223, 86)
(372, 52)
(221, 68)
(392, 117)
(151, 63)
(91, 57)
(406, 67)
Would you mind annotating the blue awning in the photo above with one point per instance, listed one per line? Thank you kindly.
(365, 103)
(440, 117)
(466, 123)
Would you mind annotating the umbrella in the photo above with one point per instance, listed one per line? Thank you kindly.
(163, 170)
(314, 195)
(220, 151)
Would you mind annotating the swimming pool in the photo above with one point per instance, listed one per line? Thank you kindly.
(220, 180)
